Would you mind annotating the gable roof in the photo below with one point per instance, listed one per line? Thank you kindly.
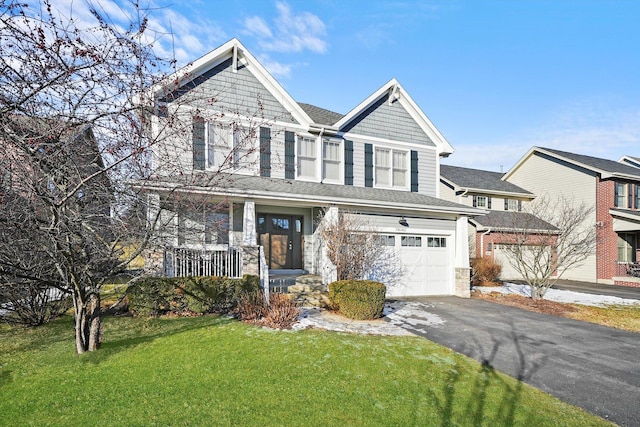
(321, 116)
(480, 181)
(510, 220)
(606, 168)
(396, 92)
(630, 160)
(295, 191)
(239, 54)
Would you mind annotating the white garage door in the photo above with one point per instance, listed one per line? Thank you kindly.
(502, 255)
(426, 267)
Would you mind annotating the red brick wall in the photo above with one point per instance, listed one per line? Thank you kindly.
(607, 239)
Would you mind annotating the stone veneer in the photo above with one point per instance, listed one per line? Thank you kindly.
(463, 282)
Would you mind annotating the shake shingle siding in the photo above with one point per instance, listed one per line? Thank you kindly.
(393, 122)
(237, 93)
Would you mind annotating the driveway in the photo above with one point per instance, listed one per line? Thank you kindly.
(590, 366)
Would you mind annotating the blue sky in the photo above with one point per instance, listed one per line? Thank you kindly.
(495, 77)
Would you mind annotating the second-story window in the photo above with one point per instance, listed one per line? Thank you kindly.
(307, 155)
(391, 168)
(512, 205)
(620, 195)
(482, 202)
(243, 147)
(636, 204)
(331, 160)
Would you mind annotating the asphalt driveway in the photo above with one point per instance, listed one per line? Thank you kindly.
(591, 366)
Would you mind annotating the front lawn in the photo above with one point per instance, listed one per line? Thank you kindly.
(217, 371)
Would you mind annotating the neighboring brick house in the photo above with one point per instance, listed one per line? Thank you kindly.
(613, 188)
(504, 203)
(381, 160)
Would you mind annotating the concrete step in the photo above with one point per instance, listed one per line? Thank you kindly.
(310, 299)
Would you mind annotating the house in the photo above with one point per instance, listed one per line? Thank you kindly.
(267, 172)
(612, 188)
(503, 202)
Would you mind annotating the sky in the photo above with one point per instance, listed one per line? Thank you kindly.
(495, 77)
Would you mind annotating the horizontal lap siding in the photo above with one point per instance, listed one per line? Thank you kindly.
(391, 221)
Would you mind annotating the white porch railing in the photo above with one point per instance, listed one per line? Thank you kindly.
(264, 275)
(181, 262)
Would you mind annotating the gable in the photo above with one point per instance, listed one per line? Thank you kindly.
(235, 93)
(389, 121)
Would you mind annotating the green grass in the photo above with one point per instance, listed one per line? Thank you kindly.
(216, 371)
(625, 317)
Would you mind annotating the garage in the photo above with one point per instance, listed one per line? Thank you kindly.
(426, 265)
(501, 255)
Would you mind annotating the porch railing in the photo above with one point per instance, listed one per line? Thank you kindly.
(627, 269)
(181, 262)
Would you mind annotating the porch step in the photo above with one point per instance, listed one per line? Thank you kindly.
(308, 291)
(307, 283)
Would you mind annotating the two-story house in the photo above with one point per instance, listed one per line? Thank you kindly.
(269, 170)
(612, 188)
(503, 202)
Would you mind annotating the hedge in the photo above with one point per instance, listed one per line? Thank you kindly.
(154, 296)
(358, 299)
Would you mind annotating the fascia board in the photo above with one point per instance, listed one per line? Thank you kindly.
(220, 54)
(519, 163)
(412, 108)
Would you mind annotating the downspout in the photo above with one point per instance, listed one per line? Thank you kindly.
(482, 241)
(320, 162)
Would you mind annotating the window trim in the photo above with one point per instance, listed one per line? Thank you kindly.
(391, 169)
(299, 157)
(339, 163)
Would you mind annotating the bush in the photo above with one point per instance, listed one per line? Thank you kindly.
(154, 296)
(358, 299)
(484, 271)
(281, 313)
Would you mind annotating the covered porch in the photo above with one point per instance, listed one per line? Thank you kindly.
(626, 225)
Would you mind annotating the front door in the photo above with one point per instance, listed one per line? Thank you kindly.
(281, 237)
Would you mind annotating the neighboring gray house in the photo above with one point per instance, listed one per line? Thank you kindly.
(268, 170)
(503, 202)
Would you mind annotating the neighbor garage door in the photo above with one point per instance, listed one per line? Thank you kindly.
(501, 255)
(426, 265)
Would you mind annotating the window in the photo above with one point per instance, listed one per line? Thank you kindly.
(636, 204)
(437, 242)
(217, 147)
(512, 205)
(619, 201)
(411, 241)
(481, 202)
(207, 226)
(307, 155)
(391, 168)
(331, 160)
(386, 240)
(627, 247)
(243, 147)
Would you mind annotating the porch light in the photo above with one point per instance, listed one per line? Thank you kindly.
(403, 222)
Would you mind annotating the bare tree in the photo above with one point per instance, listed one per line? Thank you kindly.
(549, 238)
(356, 250)
(72, 137)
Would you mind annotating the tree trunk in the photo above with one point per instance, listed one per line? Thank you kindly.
(87, 322)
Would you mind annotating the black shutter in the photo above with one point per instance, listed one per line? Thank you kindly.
(198, 143)
(488, 202)
(475, 201)
(615, 200)
(348, 162)
(368, 165)
(519, 205)
(289, 155)
(265, 152)
(414, 171)
(506, 204)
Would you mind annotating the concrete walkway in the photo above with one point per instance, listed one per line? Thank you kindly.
(591, 366)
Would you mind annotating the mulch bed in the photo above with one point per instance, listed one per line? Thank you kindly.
(525, 303)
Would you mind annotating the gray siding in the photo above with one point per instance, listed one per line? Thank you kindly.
(391, 221)
(392, 122)
(238, 94)
(427, 172)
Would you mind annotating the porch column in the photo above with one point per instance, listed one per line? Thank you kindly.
(329, 271)
(249, 224)
(230, 232)
(461, 263)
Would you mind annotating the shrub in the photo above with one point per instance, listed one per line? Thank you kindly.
(153, 296)
(358, 299)
(282, 312)
(484, 271)
(251, 306)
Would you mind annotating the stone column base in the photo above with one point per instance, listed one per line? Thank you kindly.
(463, 282)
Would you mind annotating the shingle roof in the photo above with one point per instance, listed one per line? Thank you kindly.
(509, 220)
(320, 115)
(256, 186)
(600, 164)
(467, 178)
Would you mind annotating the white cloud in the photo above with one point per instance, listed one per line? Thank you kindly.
(291, 32)
(276, 68)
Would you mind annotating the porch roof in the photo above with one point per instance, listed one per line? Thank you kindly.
(309, 193)
(625, 220)
(511, 221)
